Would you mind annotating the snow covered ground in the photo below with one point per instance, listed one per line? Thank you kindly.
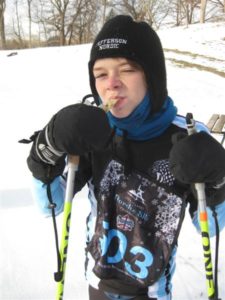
(36, 83)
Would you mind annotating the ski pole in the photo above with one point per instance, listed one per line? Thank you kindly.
(200, 189)
(72, 164)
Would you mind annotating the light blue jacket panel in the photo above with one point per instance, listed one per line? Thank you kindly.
(39, 191)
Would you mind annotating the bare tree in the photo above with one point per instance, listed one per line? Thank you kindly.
(85, 25)
(189, 7)
(151, 11)
(66, 22)
(131, 7)
(2, 24)
(104, 4)
(178, 11)
(17, 26)
(41, 10)
(62, 20)
(61, 8)
(218, 3)
(203, 11)
(156, 11)
(29, 20)
(185, 11)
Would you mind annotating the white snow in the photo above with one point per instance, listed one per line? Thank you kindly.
(36, 83)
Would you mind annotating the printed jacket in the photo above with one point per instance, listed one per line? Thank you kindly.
(137, 209)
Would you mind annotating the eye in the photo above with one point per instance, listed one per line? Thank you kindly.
(99, 75)
(128, 69)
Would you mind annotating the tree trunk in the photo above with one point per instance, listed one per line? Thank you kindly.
(2, 25)
(18, 25)
(178, 10)
(62, 29)
(202, 11)
(187, 14)
(29, 18)
(104, 3)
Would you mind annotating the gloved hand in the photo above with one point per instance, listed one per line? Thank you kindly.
(74, 130)
(199, 158)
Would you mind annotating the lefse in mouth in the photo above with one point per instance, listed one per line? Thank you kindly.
(109, 104)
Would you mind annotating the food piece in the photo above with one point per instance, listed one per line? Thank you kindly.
(109, 104)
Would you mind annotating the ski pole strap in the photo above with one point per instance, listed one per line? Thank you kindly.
(31, 138)
(52, 206)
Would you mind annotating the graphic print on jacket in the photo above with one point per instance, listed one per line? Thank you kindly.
(137, 226)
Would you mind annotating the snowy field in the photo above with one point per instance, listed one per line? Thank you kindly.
(36, 83)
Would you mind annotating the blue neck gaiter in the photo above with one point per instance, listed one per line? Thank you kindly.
(140, 125)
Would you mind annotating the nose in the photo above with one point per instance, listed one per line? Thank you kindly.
(113, 82)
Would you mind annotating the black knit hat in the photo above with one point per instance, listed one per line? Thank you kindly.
(137, 41)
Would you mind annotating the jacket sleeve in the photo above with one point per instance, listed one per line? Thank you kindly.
(58, 187)
(220, 211)
(39, 191)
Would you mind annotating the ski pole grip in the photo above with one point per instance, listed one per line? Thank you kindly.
(73, 162)
(190, 123)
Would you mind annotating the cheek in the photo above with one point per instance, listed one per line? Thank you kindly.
(139, 88)
(99, 87)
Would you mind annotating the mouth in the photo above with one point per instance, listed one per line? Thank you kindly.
(110, 103)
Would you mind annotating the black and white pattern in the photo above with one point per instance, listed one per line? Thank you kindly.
(168, 212)
(113, 175)
(136, 228)
(161, 172)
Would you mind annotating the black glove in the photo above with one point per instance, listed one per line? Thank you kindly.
(74, 130)
(199, 158)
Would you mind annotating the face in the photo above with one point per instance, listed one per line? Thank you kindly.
(121, 80)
